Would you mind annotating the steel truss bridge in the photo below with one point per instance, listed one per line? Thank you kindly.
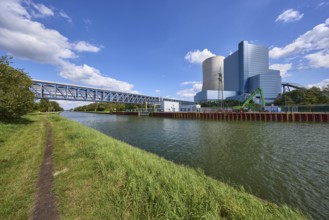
(59, 91)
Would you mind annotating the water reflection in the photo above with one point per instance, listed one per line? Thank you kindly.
(280, 162)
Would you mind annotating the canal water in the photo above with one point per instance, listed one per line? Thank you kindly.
(280, 162)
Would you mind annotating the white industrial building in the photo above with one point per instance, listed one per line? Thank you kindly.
(168, 106)
(172, 106)
(190, 108)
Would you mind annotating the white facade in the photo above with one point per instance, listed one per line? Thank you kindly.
(213, 95)
(190, 108)
(169, 106)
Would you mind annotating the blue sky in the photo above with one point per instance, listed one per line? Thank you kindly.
(155, 47)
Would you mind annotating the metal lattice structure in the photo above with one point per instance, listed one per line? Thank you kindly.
(60, 91)
(287, 87)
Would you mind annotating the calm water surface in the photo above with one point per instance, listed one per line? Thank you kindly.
(280, 162)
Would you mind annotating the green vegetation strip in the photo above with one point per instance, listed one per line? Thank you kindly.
(103, 178)
(21, 148)
(98, 177)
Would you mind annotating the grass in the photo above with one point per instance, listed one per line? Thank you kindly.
(98, 177)
(103, 178)
(22, 144)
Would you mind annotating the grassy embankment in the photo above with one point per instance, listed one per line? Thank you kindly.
(21, 149)
(98, 177)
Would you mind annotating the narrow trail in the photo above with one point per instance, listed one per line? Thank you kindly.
(45, 202)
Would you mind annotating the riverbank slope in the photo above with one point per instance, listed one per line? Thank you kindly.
(98, 177)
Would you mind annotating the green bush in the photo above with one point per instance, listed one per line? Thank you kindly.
(15, 97)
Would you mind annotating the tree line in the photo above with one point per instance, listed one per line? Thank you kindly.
(47, 106)
(226, 103)
(108, 107)
(16, 99)
(310, 96)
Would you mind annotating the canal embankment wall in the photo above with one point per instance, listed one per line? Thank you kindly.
(247, 116)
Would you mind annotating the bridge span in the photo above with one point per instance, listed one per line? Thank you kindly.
(60, 91)
(287, 86)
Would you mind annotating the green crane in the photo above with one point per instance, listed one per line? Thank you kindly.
(246, 103)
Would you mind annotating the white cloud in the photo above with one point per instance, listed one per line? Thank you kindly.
(312, 47)
(321, 4)
(83, 46)
(315, 39)
(92, 76)
(321, 84)
(67, 105)
(39, 10)
(283, 69)
(190, 83)
(157, 91)
(27, 39)
(318, 59)
(198, 56)
(64, 15)
(190, 92)
(289, 16)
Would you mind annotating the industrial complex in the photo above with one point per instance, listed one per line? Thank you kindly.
(239, 74)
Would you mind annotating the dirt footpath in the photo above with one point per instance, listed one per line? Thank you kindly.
(45, 202)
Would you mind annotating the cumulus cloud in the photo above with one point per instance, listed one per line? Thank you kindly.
(311, 48)
(321, 85)
(315, 39)
(92, 76)
(283, 69)
(198, 56)
(289, 16)
(83, 46)
(195, 87)
(28, 39)
(157, 91)
(318, 59)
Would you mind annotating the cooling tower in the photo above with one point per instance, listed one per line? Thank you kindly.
(211, 68)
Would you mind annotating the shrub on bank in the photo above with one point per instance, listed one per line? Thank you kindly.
(15, 97)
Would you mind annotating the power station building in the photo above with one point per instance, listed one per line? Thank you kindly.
(239, 74)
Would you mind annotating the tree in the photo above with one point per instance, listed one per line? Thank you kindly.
(297, 96)
(314, 96)
(15, 97)
(284, 100)
(326, 93)
(56, 107)
(310, 96)
(326, 90)
(49, 106)
(43, 105)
